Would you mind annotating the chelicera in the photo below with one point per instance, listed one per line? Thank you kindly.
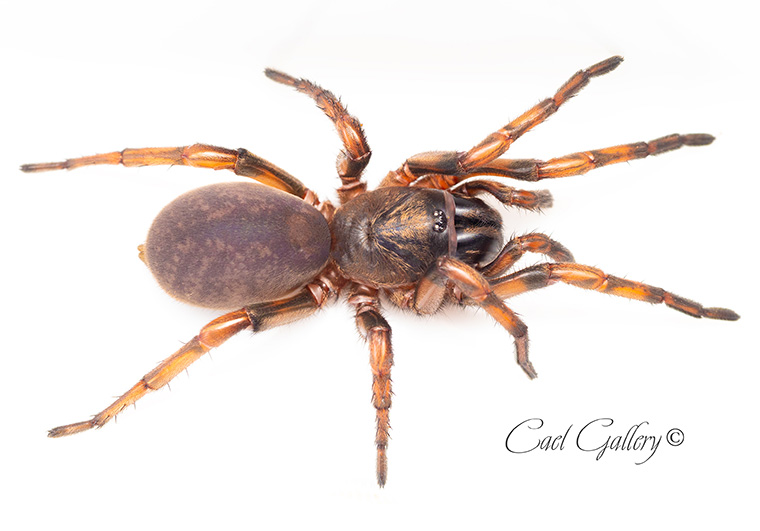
(422, 240)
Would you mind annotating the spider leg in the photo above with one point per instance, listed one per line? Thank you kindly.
(508, 196)
(356, 153)
(258, 317)
(534, 242)
(376, 330)
(566, 166)
(475, 286)
(240, 161)
(586, 277)
(497, 143)
(212, 335)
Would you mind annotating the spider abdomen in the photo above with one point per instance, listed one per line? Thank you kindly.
(232, 244)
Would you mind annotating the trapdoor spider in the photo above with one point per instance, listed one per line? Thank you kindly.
(423, 239)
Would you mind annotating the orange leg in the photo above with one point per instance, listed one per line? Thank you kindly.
(508, 196)
(240, 161)
(569, 165)
(497, 143)
(475, 286)
(356, 152)
(582, 276)
(212, 335)
(534, 242)
(376, 330)
(258, 317)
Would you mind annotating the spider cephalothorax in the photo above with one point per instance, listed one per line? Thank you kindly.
(392, 236)
(422, 239)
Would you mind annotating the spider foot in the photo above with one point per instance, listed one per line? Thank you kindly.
(724, 314)
(521, 345)
(382, 467)
(70, 429)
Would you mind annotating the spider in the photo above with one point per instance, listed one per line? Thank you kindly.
(422, 240)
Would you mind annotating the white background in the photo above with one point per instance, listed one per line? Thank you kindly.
(277, 430)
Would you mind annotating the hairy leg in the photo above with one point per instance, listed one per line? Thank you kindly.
(257, 317)
(498, 142)
(376, 330)
(534, 242)
(240, 161)
(568, 165)
(475, 286)
(586, 277)
(356, 152)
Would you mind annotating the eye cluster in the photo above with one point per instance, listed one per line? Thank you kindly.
(440, 221)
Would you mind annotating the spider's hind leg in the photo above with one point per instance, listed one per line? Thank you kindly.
(258, 317)
(241, 161)
(212, 335)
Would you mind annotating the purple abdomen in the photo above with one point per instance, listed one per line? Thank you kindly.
(233, 244)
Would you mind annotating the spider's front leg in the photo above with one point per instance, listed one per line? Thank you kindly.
(376, 330)
(533, 170)
(533, 242)
(258, 317)
(475, 286)
(498, 142)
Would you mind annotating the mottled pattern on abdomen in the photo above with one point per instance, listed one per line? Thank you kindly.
(228, 245)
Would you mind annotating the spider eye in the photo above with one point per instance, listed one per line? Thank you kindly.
(440, 221)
